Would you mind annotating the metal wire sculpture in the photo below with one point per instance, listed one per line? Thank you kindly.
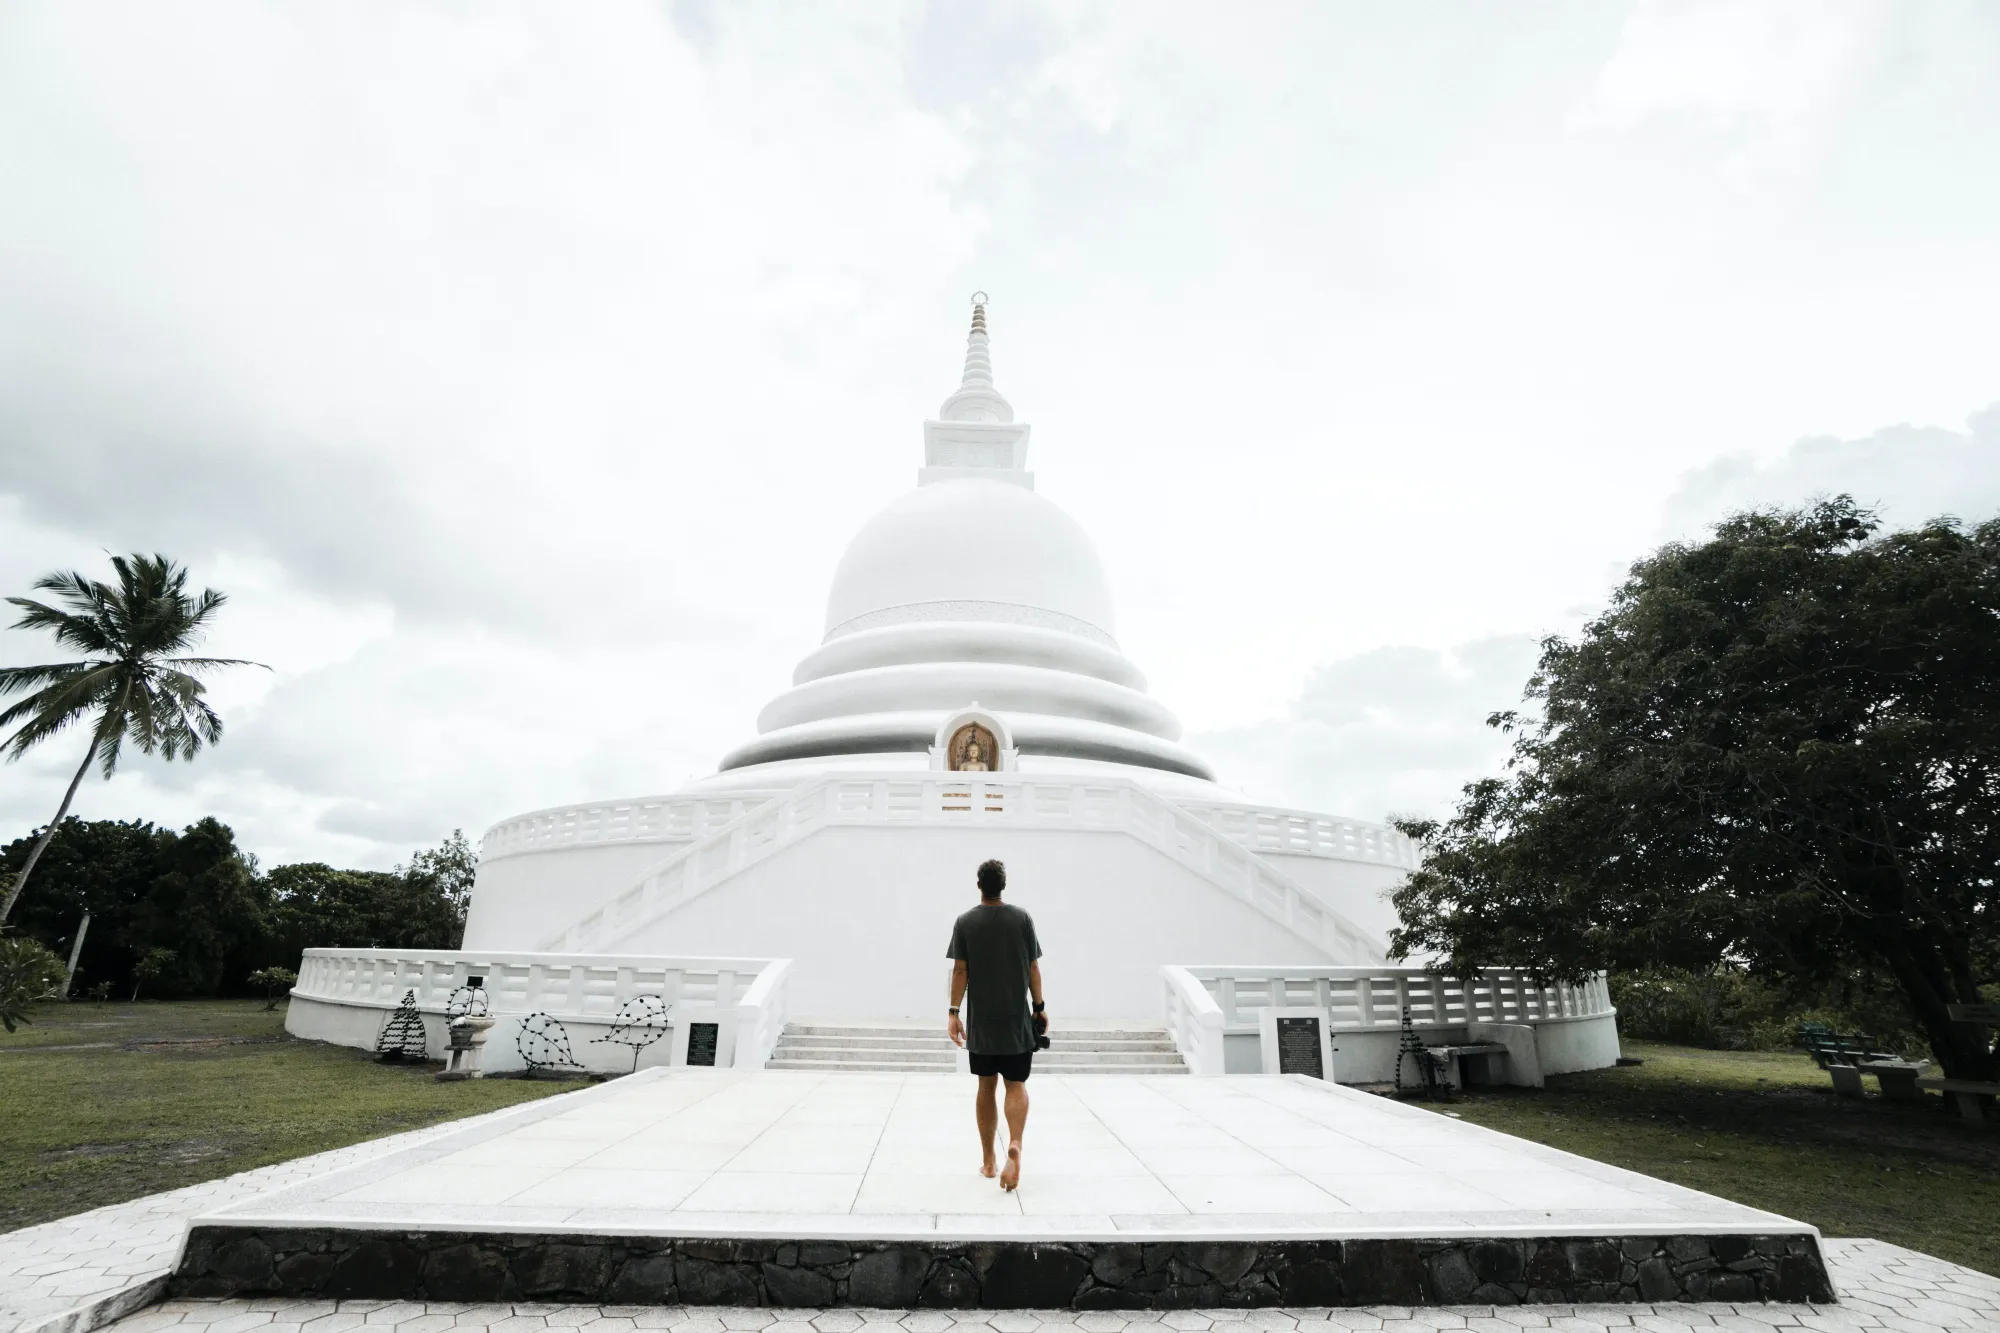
(403, 1036)
(1430, 1065)
(543, 1043)
(639, 1022)
(468, 1001)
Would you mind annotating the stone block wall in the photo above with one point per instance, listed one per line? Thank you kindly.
(1082, 1275)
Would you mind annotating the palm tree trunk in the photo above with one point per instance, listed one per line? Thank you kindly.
(35, 852)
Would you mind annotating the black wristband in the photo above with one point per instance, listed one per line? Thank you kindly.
(1039, 1006)
(953, 1011)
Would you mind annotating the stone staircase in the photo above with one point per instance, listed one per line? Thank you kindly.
(924, 1049)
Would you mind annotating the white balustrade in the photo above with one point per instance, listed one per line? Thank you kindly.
(666, 819)
(1358, 999)
(948, 799)
(1300, 833)
(522, 983)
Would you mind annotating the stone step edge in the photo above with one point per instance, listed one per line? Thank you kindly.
(1072, 1034)
(873, 1039)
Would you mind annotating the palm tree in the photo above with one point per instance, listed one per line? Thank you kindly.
(136, 683)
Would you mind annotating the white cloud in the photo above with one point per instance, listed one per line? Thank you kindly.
(521, 370)
(1392, 731)
(1908, 474)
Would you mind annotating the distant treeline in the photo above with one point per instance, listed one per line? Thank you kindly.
(208, 916)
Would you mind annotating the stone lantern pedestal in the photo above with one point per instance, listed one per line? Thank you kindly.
(467, 1045)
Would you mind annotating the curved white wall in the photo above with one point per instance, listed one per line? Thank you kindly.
(865, 913)
(517, 901)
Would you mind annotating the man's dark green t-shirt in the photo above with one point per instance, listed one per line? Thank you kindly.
(996, 944)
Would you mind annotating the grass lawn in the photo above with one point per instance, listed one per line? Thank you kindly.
(102, 1103)
(1765, 1129)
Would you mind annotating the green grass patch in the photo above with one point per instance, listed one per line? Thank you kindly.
(103, 1103)
(1765, 1129)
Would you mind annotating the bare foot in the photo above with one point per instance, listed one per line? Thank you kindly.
(986, 1168)
(1011, 1177)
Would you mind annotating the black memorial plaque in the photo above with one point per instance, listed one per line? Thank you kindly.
(701, 1042)
(1298, 1047)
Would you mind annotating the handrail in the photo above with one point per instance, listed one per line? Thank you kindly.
(1363, 998)
(1194, 1021)
(954, 799)
(760, 1015)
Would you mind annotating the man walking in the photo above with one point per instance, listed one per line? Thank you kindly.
(995, 958)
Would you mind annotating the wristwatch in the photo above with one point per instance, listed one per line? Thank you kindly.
(953, 1011)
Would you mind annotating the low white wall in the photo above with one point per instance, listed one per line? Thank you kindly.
(346, 996)
(1566, 1028)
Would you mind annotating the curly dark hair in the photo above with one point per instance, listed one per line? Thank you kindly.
(992, 878)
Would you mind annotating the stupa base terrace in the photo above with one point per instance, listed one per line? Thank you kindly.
(861, 1189)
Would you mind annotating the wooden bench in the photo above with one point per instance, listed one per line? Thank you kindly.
(1972, 1096)
(1828, 1047)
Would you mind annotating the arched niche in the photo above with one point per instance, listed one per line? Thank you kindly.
(953, 747)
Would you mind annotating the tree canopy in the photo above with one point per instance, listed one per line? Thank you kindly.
(208, 917)
(1778, 748)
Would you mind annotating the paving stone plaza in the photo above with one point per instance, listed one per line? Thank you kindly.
(111, 1266)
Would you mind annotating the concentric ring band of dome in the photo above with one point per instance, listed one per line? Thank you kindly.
(982, 640)
(999, 613)
(913, 731)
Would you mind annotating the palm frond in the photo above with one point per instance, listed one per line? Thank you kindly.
(53, 708)
(199, 664)
(21, 678)
(84, 633)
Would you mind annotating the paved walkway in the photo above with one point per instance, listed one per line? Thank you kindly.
(848, 1155)
(1882, 1287)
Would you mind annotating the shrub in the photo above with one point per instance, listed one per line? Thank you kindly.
(29, 974)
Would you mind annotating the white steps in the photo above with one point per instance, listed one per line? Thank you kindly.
(915, 1049)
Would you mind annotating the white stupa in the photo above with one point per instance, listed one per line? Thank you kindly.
(969, 700)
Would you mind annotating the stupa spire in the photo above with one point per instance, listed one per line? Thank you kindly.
(977, 399)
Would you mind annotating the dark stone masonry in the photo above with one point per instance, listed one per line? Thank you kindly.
(1080, 1275)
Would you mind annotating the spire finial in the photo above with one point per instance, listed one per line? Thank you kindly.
(977, 399)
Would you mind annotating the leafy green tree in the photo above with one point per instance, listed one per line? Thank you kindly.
(136, 683)
(145, 887)
(441, 879)
(273, 981)
(1779, 749)
(156, 964)
(29, 974)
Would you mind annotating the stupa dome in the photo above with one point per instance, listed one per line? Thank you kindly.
(970, 592)
(970, 549)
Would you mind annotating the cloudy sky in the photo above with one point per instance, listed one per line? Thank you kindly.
(520, 372)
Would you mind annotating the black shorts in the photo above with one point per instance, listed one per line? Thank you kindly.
(1013, 1068)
